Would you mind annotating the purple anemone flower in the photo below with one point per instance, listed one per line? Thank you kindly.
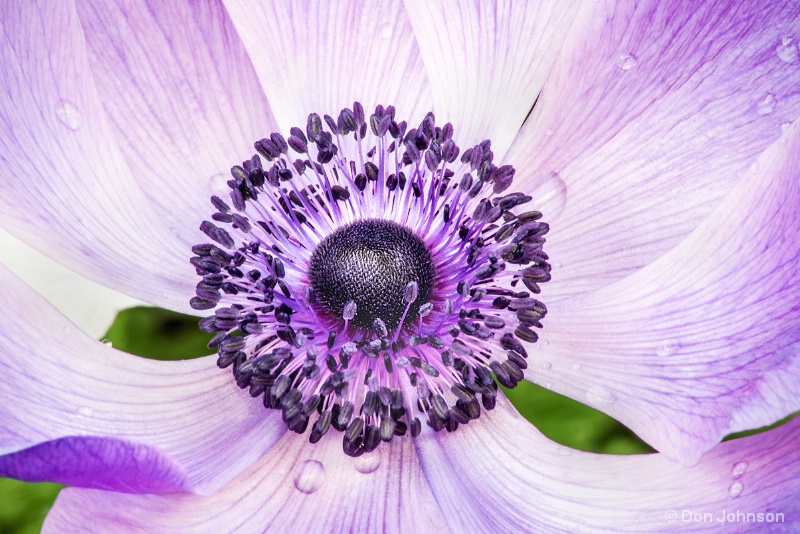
(375, 271)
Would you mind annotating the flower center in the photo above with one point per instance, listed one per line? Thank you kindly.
(368, 279)
(364, 268)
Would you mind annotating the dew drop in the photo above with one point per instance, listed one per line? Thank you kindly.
(599, 395)
(69, 114)
(368, 463)
(548, 132)
(550, 193)
(218, 185)
(668, 348)
(309, 476)
(766, 105)
(108, 343)
(735, 489)
(85, 411)
(738, 469)
(547, 365)
(787, 50)
(627, 61)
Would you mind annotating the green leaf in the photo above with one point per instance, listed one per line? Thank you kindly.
(573, 424)
(158, 334)
(24, 505)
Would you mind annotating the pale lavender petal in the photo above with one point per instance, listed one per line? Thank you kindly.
(650, 115)
(297, 487)
(57, 383)
(87, 304)
(101, 463)
(322, 56)
(497, 473)
(65, 187)
(487, 61)
(704, 341)
(181, 94)
(500, 474)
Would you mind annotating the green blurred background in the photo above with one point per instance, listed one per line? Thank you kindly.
(163, 335)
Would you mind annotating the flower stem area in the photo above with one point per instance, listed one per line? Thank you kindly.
(161, 334)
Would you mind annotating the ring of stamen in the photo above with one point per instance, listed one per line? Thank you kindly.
(426, 339)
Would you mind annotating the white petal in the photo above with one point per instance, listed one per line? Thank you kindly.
(60, 387)
(87, 304)
(180, 91)
(495, 474)
(652, 112)
(705, 340)
(298, 487)
(500, 474)
(322, 56)
(66, 189)
(487, 61)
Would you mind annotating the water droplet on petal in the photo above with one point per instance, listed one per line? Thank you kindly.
(309, 476)
(85, 411)
(547, 365)
(766, 105)
(738, 469)
(550, 194)
(627, 61)
(668, 348)
(599, 395)
(69, 114)
(735, 489)
(369, 462)
(548, 132)
(108, 343)
(787, 50)
(218, 185)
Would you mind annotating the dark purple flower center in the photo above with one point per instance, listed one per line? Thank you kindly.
(368, 265)
(368, 279)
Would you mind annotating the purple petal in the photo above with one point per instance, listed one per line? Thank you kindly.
(59, 384)
(320, 57)
(66, 188)
(500, 473)
(181, 95)
(298, 487)
(487, 63)
(650, 115)
(101, 463)
(705, 340)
